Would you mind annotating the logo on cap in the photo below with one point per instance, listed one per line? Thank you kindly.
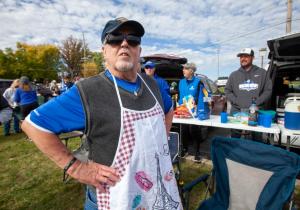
(246, 51)
(121, 19)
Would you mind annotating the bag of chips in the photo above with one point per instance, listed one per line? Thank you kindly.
(204, 99)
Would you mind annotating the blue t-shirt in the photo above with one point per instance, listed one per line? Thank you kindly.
(54, 116)
(25, 97)
(188, 87)
(165, 93)
(65, 86)
(132, 87)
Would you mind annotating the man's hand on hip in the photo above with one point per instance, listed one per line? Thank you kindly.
(94, 174)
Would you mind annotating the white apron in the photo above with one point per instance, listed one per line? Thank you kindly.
(143, 163)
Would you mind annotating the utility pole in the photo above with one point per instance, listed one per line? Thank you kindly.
(289, 16)
(218, 62)
(262, 54)
(84, 52)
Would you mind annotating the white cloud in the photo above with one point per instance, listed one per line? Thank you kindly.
(193, 29)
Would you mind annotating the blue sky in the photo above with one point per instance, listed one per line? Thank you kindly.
(195, 29)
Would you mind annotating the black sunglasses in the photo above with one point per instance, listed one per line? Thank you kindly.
(117, 39)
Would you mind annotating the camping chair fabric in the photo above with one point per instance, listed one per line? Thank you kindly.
(251, 175)
(173, 143)
(174, 146)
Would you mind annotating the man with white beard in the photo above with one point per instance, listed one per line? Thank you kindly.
(121, 113)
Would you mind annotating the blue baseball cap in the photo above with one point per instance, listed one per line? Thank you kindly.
(114, 25)
(149, 64)
(24, 80)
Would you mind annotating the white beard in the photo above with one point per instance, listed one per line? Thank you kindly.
(124, 66)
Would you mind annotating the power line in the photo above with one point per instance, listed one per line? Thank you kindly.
(249, 33)
(235, 22)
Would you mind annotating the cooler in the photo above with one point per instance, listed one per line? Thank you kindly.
(292, 113)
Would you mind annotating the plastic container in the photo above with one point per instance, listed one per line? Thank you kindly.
(268, 112)
(259, 119)
(292, 113)
(266, 120)
(224, 117)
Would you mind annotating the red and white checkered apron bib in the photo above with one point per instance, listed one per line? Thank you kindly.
(143, 163)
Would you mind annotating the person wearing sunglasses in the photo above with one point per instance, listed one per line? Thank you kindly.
(164, 88)
(121, 115)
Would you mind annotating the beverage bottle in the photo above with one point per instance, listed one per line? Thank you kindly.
(252, 119)
(174, 100)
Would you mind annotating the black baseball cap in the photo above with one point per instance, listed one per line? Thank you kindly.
(114, 25)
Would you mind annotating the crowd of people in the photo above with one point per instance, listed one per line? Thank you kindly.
(126, 117)
(23, 96)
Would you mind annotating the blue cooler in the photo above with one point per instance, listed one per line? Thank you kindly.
(292, 113)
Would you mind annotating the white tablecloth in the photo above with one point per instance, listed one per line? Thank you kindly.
(215, 121)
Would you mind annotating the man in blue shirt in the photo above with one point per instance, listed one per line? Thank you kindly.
(26, 96)
(164, 90)
(66, 82)
(189, 87)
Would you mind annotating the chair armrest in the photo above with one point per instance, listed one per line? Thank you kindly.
(189, 186)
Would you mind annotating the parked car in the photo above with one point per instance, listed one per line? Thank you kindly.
(4, 84)
(170, 68)
(221, 81)
(284, 70)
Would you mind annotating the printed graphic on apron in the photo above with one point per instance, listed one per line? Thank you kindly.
(166, 150)
(163, 199)
(143, 180)
(169, 175)
(136, 201)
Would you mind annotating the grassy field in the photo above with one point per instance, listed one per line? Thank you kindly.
(30, 181)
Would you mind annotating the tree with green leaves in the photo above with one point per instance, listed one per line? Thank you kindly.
(35, 61)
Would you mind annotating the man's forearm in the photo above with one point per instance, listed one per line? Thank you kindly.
(231, 97)
(168, 120)
(89, 173)
(267, 93)
(49, 144)
(264, 97)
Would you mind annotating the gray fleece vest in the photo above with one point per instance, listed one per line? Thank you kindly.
(103, 113)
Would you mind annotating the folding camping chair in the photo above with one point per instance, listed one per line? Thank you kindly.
(251, 175)
(173, 143)
(174, 147)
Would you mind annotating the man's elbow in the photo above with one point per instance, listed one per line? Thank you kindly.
(25, 126)
(170, 114)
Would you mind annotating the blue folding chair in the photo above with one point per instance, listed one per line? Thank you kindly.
(251, 175)
(174, 146)
(173, 143)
